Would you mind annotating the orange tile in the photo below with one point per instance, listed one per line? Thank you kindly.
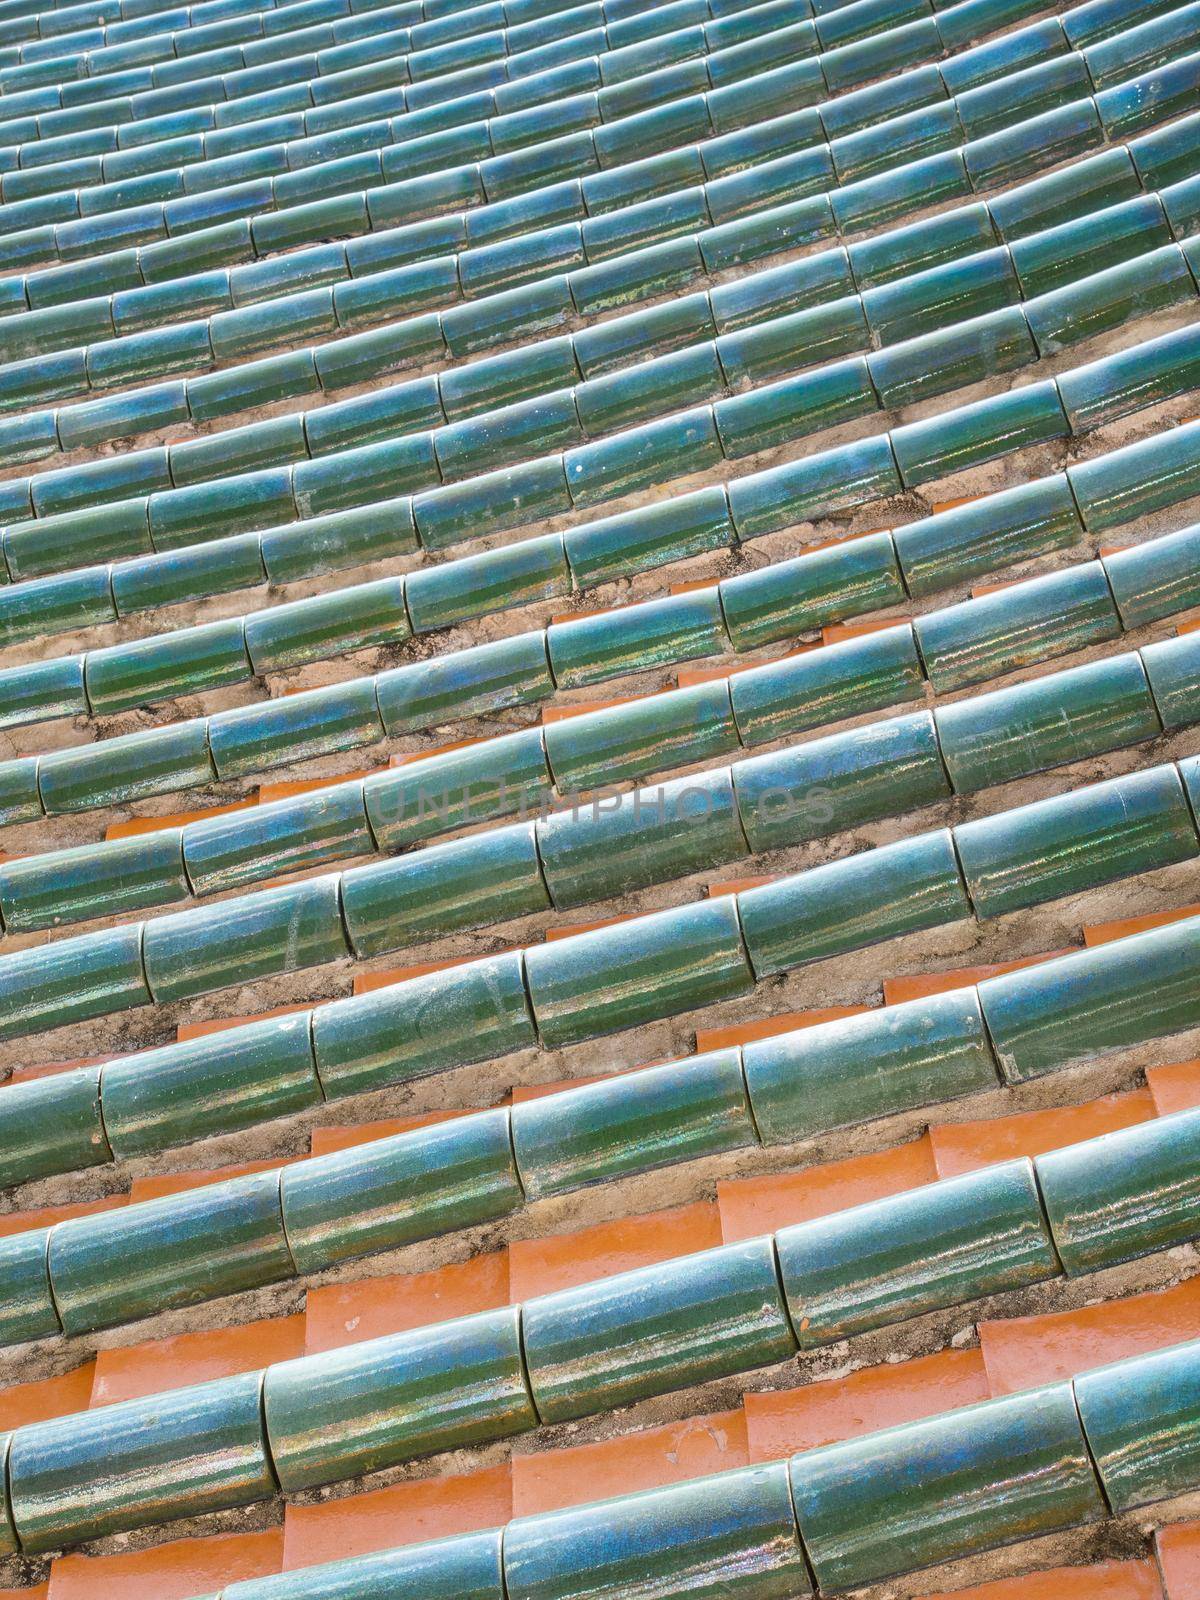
(325, 1141)
(769, 1027)
(290, 787)
(921, 985)
(725, 886)
(808, 549)
(47, 1216)
(750, 1206)
(132, 1371)
(41, 1592)
(51, 1069)
(568, 930)
(1113, 549)
(1108, 1580)
(1104, 932)
(690, 677)
(966, 1146)
(405, 1513)
(1178, 1549)
(158, 1184)
(693, 677)
(582, 707)
(1023, 1352)
(692, 587)
(1190, 626)
(521, 1093)
(1175, 1087)
(978, 590)
(409, 757)
(346, 1313)
(877, 1397)
(539, 1266)
(588, 611)
(168, 1571)
(198, 1030)
(948, 505)
(836, 632)
(524, 1092)
(552, 1479)
(172, 819)
(51, 1397)
(365, 982)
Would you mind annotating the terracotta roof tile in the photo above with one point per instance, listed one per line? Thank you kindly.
(781, 1422)
(769, 1027)
(966, 1146)
(547, 1480)
(405, 1513)
(344, 1313)
(750, 1206)
(1023, 1352)
(47, 1397)
(175, 1571)
(1108, 1580)
(539, 1266)
(1177, 1547)
(130, 1371)
(1175, 1086)
(921, 985)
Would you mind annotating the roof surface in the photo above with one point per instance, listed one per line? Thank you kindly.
(599, 927)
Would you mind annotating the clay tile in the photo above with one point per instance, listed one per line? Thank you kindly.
(750, 1206)
(345, 1313)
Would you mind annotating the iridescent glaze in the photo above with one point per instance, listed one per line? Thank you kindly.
(70, 980)
(799, 692)
(923, 1250)
(374, 1404)
(487, 677)
(462, 1568)
(258, 935)
(954, 1485)
(181, 1453)
(116, 1266)
(827, 785)
(1076, 841)
(648, 735)
(1140, 1419)
(213, 1083)
(636, 638)
(1017, 626)
(1083, 1005)
(1067, 716)
(839, 1073)
(598, 849)
(464, 883)
(53, 1124)
(295, 727)
(426, 1024)
(860, 900)
(731, 1537)
(1124, 1194)
(93, 880)
(615, 977)
(634, 1123)
(391, 1191)
(659, 1328)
